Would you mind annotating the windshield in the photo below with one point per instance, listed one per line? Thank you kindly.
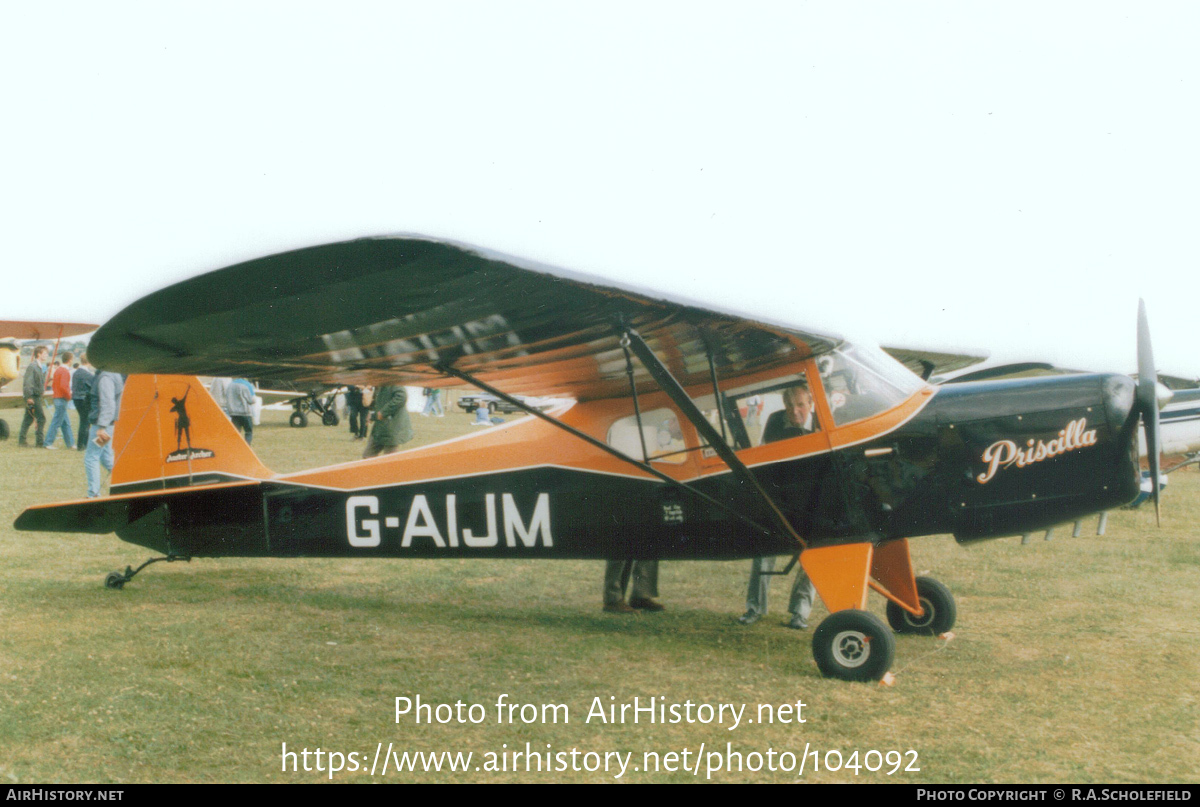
(861, 381)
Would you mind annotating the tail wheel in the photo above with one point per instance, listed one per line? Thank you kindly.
(298, 420)
(330, 418)
(854, 646)
(938, 604)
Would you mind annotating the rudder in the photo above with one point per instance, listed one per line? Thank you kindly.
(171, 433)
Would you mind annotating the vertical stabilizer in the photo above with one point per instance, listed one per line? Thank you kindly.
(171, 433)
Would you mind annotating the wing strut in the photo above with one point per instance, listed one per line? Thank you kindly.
(637, 408)
(587, 438)
(717, 396)
(677, 394)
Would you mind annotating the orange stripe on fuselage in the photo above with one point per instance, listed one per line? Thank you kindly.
(525, 443)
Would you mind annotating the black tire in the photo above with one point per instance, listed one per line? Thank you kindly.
(330, 418)
(115, 580)
(854, 646)
(3, 430)
(940, 611)
(298, 420)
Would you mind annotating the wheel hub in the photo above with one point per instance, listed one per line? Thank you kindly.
(851, 648)
(926, 619)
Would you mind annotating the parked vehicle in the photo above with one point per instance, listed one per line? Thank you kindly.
(473, 401)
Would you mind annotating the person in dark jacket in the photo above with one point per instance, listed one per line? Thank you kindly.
(81, 396)
(33, 389)
(391, 426)
(617, 576)
(357, 412)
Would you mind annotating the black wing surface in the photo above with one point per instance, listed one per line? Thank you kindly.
(399, 310)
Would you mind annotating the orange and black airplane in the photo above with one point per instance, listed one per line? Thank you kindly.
(665, 451)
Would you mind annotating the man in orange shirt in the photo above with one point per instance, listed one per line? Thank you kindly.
(61, 386)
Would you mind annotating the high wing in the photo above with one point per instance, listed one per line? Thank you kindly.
(401, 309)
(929, 363)
(271, 397)
(19, 329)
(1175, 382)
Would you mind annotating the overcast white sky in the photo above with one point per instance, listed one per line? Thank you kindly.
(1008, 176)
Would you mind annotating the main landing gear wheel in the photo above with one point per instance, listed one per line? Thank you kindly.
(3, 430)
(330, 418)
(854, 646)
(298, 420)
(938, 604)
(115, 580)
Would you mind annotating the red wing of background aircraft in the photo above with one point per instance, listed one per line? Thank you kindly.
(667, 452)
(23, 329)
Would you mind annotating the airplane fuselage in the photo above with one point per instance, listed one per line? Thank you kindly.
(977, 460)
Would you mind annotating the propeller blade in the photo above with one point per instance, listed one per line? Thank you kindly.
(1147, 395)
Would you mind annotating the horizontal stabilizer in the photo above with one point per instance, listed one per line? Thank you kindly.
(105, 515)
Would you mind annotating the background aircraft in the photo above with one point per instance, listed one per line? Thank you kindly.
(1180, 423)
(653, 461)
(929, 363)
(319, 401)
(12, 333)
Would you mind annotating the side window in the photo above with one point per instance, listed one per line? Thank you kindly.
(763, 413)
(661, 432)
(788, 412)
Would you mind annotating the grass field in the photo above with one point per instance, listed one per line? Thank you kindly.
(1073, 659)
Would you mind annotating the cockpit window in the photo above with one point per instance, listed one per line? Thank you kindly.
(861, 381)
(763, 413)
(661, 435)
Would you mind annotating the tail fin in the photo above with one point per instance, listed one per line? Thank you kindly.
(171, 433)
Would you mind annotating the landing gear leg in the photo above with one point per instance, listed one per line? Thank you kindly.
(118, 580)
